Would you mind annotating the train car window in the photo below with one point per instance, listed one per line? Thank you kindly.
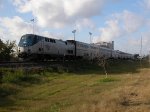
(46, 40)
(39, 38)
(70, 51)
(54, 41)
(51, 40)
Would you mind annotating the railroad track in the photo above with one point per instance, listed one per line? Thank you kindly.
(17, 64)
(26, 64)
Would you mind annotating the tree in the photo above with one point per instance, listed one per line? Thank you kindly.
(7, 50)
(2, 46)
(102, 62)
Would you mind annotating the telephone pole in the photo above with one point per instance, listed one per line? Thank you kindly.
(141, 51)
(32, 20)
(74, 32)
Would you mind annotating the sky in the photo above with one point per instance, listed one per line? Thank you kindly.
(126, 22)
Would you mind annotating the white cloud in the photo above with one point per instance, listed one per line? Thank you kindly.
(124, 27)
(59, 13)
(14, 28)
(2, 34)
(131, 21)
(84, 23)
(121, 25)
(52, 35)
(145, 4)
(111, 31)
(83, 8)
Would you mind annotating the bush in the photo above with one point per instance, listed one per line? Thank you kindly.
(21, 75)
(8, 89)
(12, 76)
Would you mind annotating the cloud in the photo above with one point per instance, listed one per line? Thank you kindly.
(14, 28)
(84, 23)
(111, 31)
(145, 4)
(131, 21)
(52, 35)
(126, 28)
(121, 25)
(83, 8)
(60, 13)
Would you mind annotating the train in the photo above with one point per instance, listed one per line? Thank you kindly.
(40, 47)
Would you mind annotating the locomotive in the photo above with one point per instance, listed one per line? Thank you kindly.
(37, 46)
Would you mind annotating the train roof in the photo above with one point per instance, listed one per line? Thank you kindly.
(43, 37)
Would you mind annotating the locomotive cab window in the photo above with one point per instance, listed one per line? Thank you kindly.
(29, 40)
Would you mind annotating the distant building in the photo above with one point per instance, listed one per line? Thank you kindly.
(109, 45)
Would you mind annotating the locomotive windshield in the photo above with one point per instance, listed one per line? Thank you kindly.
(29, 40)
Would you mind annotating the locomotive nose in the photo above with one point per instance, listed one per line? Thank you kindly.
(22, 49)
(23, 52)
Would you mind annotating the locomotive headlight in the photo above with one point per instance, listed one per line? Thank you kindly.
(21, 49)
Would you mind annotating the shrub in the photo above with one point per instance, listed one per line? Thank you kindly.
(8, 89)
(14, 76)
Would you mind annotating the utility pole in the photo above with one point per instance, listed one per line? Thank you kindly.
(74, 32)
(90, 37)
(32, 20)
(91, 45)
(149, 58)
(141, 51)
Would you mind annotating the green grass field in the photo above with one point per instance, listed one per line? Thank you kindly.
(77, 87)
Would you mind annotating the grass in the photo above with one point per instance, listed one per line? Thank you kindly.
(77, 88)
(109, 79)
